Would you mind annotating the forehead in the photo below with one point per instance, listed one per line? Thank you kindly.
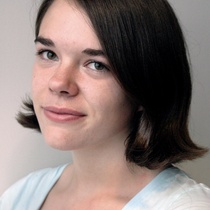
(66, 20)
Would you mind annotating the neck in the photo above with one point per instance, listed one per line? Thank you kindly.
(107, 170)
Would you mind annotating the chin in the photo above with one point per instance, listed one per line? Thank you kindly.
(61, 142)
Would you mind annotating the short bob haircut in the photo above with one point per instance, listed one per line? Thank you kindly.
(144, 43)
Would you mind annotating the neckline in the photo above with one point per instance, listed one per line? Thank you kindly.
(142, 194)
(165, 174)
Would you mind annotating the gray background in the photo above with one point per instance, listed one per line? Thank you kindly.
(23, 150)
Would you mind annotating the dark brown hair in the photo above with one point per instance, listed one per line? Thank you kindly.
(145, 45)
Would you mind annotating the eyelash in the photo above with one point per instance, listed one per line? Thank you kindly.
(104, 67)
(42, 51)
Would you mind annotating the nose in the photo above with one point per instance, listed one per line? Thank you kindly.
(63, 82)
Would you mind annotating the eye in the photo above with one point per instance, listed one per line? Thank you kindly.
(97, 66)
(47, 55)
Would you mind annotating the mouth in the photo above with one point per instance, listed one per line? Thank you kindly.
(62, 115)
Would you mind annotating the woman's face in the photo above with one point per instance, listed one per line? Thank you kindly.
(77, 100)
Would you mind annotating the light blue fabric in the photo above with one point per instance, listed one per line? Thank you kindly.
(30, 192)
(172, 189)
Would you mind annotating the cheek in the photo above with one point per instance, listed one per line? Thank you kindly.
(38, 91)
(35, 94)
(39, 82)
(110, 101)
(35, 88)
(121, 105)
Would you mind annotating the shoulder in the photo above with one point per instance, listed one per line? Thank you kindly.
(172, 189)
(36, 185)
(184, 192)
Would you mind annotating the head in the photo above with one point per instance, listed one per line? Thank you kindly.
(144, 43)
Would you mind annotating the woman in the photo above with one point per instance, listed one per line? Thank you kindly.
(111, 83)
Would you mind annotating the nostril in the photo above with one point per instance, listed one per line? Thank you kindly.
(64, 92)
(61, 84)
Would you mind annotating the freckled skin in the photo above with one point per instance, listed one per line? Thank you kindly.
(67, 79)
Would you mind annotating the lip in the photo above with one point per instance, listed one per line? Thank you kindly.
(60, 115)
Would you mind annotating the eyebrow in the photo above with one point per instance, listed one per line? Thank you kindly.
(44, 41)
(50, 43)
(93, 52)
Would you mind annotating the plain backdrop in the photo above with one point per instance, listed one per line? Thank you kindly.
(23, 151)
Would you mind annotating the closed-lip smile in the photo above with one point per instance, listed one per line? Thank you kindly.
(57, 114)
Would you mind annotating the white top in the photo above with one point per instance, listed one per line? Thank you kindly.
(172, 189)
